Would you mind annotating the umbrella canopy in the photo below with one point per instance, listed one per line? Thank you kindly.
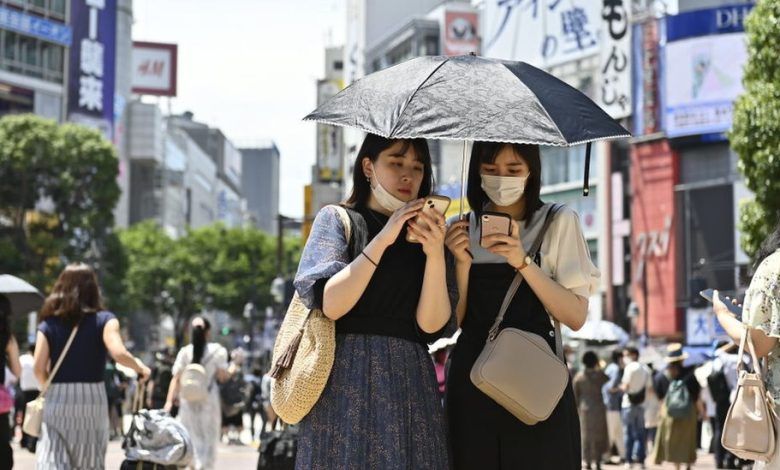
(23, 296)
(469, 98)
(600, 331)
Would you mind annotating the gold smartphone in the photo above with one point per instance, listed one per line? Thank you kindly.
(439, 203)
(494, 223)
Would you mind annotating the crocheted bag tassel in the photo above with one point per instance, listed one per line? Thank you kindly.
(285, 362)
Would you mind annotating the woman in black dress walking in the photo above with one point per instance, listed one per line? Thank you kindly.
(507, 178)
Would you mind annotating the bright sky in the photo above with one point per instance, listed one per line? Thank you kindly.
(250, 68)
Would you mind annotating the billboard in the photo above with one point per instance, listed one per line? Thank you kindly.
(614, 95)
(35, 26)
(154, 68)
(92, 64)
(461, 33)
(704, 56)
(646, 76)
(543, 33)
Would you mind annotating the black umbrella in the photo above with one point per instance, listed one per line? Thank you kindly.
(470, 98)
(24, 298)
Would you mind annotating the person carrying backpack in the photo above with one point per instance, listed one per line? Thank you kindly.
(196, 371)
(682, 407)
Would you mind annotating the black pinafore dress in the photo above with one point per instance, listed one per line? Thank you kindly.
(483, 435)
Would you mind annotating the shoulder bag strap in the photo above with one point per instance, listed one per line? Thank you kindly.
(59, 361)
(518, 279)
(345, 220)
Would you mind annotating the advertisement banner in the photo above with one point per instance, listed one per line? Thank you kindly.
(35, 26)
(330, 140)
(706, 51)
(543, 33)
(92, 64)
(460, 35)
(154, 68)
(707, 78)
(615, 61)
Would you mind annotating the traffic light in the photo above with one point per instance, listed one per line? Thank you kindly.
(225, 330)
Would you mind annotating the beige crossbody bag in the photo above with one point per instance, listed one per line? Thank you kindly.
(750, 428)
(516, 368)
(33, 412)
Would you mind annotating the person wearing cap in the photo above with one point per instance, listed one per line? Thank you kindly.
(675, 441)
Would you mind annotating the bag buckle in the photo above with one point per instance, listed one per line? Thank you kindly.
(493, 333)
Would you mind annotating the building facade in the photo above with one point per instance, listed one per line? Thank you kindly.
(260, 183)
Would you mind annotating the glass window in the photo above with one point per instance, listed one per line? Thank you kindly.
(10, 44)
(57, 7)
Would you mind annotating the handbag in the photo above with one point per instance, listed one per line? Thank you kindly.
(303, 355)
(750, 428)
(6, 400)
(516, 368)
(33, 412)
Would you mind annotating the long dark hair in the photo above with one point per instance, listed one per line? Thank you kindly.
(75, 294)
(198, 335)
(486, 152)
(372, 146)
(770, 244)
(5, 323)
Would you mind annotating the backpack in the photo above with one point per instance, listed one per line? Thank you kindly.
(678, 400)
(195, 384)
(719, 387)
(162, 380)
(234, 394)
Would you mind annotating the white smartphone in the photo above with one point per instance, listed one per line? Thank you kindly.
(432, 202)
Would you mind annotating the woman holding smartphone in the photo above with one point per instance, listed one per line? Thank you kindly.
(506, 178)
(380, 408)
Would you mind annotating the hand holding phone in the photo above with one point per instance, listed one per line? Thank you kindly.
(434, 202)
(494, 223)
(709, 294)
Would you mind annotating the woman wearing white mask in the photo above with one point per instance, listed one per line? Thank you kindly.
(389, 297)
(507, 178)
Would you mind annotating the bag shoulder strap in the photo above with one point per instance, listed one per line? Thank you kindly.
(345, 220)
(518, 279)
(59, 361)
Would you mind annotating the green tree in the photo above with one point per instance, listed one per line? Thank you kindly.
(755, 136)
(58, 190)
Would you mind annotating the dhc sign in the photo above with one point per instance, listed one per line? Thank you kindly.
(722, 20)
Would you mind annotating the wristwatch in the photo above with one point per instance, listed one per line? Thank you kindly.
(526, 261)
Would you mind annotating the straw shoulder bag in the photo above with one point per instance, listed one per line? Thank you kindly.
(303, 354)
(751, 423)
(516, 368)
(33, 412)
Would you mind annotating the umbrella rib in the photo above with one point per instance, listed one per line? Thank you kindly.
(409, 100)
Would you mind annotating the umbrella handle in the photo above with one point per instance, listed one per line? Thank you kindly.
(461, 215)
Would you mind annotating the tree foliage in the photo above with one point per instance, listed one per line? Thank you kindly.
(58, 190)
(212, 267)
(755, 136)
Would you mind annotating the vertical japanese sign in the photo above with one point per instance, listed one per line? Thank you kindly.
(330, 142)
(92, 64)
(615, 64)
(541, 32)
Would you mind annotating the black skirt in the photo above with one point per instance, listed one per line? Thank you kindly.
(483, 435)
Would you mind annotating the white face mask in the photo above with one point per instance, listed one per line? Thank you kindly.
(384, 198)
(504, 190)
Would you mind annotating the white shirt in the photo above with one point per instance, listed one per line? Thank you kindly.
(28, 381)
(635, 376)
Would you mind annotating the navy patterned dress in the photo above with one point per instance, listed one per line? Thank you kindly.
(380, 408)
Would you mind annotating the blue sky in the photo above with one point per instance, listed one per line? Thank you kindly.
(250, 68)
